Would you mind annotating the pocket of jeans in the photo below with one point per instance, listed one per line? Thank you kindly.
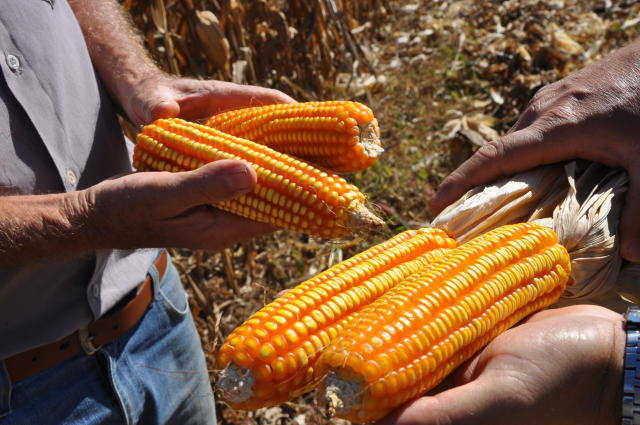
(171, 293)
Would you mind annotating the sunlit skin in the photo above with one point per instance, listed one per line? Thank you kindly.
(141, 209)
(559, 367)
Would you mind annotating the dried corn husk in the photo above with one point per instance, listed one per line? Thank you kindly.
(506, 201)
(213, 41)
(580, 201)
(587, 225)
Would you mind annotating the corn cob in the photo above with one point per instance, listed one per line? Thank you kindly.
(271, 357)
(408, 340)
(341, 136)
(290, 193)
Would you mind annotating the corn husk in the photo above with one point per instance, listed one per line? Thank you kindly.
(581, 201)
(506, 201)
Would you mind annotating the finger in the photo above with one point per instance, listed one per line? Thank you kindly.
(162, 108)
(281, 293)
(468, 404)
(540, 102)
(212, 183)
(629, 228)
(581, 309)
(211, 228)
(218, 96)
(157, 103)
(510, 154)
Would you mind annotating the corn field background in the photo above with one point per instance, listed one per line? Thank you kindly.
(443, 77)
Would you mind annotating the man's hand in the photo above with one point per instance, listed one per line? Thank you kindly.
(163, 209)
(159, 209)
(136, 83)
(162, 96)
(560, 367)
(592, 114)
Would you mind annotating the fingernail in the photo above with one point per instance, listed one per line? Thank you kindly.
(238, 178)
(436, 200)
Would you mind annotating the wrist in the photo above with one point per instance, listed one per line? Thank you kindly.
(33, 227)
(86, 212)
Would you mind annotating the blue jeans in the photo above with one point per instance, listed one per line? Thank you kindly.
(154, 374)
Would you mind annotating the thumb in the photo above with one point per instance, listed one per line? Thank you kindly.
(629, 229)
(468, 404)
(491, 161)
(212, 183)
(160, 107)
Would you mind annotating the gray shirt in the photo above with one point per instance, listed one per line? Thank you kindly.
(58, 132)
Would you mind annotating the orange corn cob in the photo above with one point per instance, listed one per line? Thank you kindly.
(342, 136)
(408, 340)
(290, 193)
(271, 357)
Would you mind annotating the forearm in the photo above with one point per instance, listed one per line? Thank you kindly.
(116, 49)
(33, 227)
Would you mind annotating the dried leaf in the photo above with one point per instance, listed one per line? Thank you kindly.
(213, 41)
(563, 42)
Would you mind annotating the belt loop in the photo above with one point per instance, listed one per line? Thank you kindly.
(5, 390)
(155, 274)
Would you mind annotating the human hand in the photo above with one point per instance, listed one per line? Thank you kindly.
(163, 209)
(162, 96)
(560, 367)
(592, 114)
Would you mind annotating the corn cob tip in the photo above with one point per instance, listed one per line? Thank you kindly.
(236, 384)
(360, 218)
(370, 140)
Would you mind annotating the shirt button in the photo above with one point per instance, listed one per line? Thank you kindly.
(95, 290)
(71, 178)
(13, 63)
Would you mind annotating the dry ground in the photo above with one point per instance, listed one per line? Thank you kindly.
(442, 77)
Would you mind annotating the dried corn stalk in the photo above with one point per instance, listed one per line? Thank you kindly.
(582, 203)
(299, 46)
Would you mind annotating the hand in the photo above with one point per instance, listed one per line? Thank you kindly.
(592, 114)
(163, 209)
(161, 96)
(560, 367)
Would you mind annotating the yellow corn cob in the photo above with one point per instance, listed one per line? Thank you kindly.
(290, 193)
(408, 340)
(341, 136)
(271, 357)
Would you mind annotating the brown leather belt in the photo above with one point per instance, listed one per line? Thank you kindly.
(88, 339)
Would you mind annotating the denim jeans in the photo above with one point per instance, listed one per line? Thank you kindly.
(154, 374)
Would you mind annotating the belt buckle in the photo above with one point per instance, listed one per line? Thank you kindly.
(86, 341)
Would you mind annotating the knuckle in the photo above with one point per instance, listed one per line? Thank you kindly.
(535, 105)
(492, 150)
(542, 93)
(579, 94)
(563, 112)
